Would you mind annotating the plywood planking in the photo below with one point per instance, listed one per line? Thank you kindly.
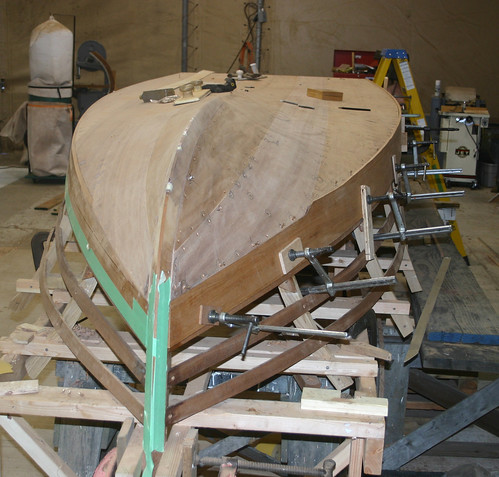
(208, 196)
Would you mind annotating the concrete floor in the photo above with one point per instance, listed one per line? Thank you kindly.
(19, 221)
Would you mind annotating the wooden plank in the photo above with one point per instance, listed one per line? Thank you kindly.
(327, 400)
(290, 293)
(190, 445)
(356, 457)
(133, 460)
(51, 203)
(424, 318)
(71, 314)
(335, 309)
(124, 436)
(273, 416)
(373, 449)
(476, 450)
(35, 447)
(445, 395)
(244, 414)
(402, 321)
(19, 387)
(346, 360)
(172, 460)
(443, 426)
(340, 455)
(460, 357)
(410, 275)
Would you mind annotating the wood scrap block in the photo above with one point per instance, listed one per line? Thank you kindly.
(327, 400)
(325, 94)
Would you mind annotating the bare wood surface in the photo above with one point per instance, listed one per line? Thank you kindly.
(82, 299)
(243, 414)
(19, 387)
(205, 206)
(326, 400)
(334, 310)
(124, 436)
(348, 360)
(46, 457)
(99, 371)
(403, 322)
(356, 457)
(71, 314)
(133, 459)
(340, 455)
(51, 203)
(424, 318)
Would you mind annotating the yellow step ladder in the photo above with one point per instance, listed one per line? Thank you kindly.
(400, 61)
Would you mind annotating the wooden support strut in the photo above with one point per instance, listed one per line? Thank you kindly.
(108, 333)
(119, 390)
(276, 365)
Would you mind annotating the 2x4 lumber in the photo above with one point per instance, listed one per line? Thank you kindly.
(356, 457)
(443, 426)
(346, 361)
(447, 396)
(325, 94)
(335, 309)
(424, 318)
(19, 387)
(340, 455)
(171, 462)
(327, 400)
(190, 445)
(124, 436)
(71, 314)
(402, 321)
(238, 414)
(133, 460)
(373, 449)
(46, 457)
(272, 416)
(290, 293)
(57, 290)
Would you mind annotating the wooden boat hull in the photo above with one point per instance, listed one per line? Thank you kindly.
(204, 196)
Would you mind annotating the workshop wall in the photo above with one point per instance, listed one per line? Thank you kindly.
(450, 40)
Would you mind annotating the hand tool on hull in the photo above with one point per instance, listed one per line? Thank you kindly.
(229, 85)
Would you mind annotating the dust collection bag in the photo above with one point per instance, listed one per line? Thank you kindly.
(50, 128)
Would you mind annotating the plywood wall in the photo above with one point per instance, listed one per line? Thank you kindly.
(451, 40)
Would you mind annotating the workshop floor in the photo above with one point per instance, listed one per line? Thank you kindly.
(19, 221)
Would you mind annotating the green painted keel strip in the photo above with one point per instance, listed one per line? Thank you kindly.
(135, 316)
(156, 369)
(152, 331)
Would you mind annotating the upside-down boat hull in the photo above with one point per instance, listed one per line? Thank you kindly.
(204, 196)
